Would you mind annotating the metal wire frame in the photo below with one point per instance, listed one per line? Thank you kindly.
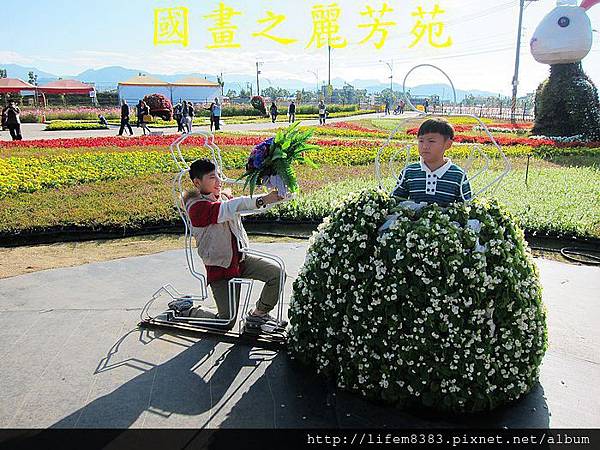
(474, 149)
(177, 191)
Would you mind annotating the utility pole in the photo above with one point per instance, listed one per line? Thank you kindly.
(515, 80)
(257, 74)
(329, 78)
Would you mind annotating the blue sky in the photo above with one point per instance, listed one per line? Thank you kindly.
(69, 36)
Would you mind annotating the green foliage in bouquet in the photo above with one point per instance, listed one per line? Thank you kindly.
(275, 156)
(433, 312)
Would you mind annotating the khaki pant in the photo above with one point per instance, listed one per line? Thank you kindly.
(255, 269)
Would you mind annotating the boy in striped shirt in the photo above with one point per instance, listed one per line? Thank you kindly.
(434, 179)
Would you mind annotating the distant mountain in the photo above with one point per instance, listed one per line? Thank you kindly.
(107, 78)
(17, 71)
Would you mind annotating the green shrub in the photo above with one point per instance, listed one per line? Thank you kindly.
(567, 104)
(314, 109)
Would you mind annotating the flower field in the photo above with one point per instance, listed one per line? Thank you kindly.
(95, 183)
(81, 113)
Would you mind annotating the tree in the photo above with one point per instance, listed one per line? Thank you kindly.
(3, 73)
(305, 96)
(221, 83)
(388, 95)
(274, 93)
(32, 78)
(231, 93)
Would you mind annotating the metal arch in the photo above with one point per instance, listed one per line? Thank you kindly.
(417, 67)
(493, 184)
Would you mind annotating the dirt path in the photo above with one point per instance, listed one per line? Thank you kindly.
(20, 260)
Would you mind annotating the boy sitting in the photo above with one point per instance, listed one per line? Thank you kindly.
(435, 179)
(219, 233)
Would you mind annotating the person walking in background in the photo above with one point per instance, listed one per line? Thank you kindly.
(125, 119)
(322, 113)
(143, 116)
(178, 116)
(11, 119)
(212, 116)
(273, 111)
(387, 107)
(189, 117)
(292, 112)
(217, 114)
(426, 105)
(138, 113)
(4, 126)
(185, 115)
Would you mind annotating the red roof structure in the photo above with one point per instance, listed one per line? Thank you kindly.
(66, 87)
(14, 86)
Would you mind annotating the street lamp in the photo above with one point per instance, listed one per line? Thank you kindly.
(316, 74)
(258, 63)
(391, 67)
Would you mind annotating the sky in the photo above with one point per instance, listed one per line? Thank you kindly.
(70, 36)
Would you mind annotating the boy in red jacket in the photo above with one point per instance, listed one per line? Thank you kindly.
(217, 227)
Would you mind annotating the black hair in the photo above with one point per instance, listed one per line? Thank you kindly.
(436, 126)
(201, 167)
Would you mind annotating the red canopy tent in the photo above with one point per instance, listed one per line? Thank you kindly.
(66, 87)
(15, 86)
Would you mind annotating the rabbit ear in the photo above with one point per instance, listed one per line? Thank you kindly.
(587, 4)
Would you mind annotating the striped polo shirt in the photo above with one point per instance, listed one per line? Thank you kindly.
(443, 186)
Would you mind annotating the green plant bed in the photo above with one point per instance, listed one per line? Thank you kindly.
(431, 313)
(61, 125)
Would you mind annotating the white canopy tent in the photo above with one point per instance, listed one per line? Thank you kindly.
(196, 90)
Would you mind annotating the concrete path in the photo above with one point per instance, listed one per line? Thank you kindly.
(72, 356)
(36, 130)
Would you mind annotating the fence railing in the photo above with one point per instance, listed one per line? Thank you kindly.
(521, 113)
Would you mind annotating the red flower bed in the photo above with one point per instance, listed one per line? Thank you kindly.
(507, 140)
(512, 126)
(353, 127)
(138, 141)
(165, 141)
(457, 129)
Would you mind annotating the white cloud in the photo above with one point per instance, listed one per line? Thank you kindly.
(9, 57)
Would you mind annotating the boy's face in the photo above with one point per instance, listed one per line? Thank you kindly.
(210, 183)
(432, 147)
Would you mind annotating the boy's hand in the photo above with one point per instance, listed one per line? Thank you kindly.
(272, 197)
(227, 192)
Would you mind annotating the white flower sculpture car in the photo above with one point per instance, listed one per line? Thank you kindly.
(442, 307)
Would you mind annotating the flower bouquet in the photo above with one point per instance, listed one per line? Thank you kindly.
(270, 163)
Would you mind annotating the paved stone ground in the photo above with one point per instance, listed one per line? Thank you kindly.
(72, 356)
(36, 130)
